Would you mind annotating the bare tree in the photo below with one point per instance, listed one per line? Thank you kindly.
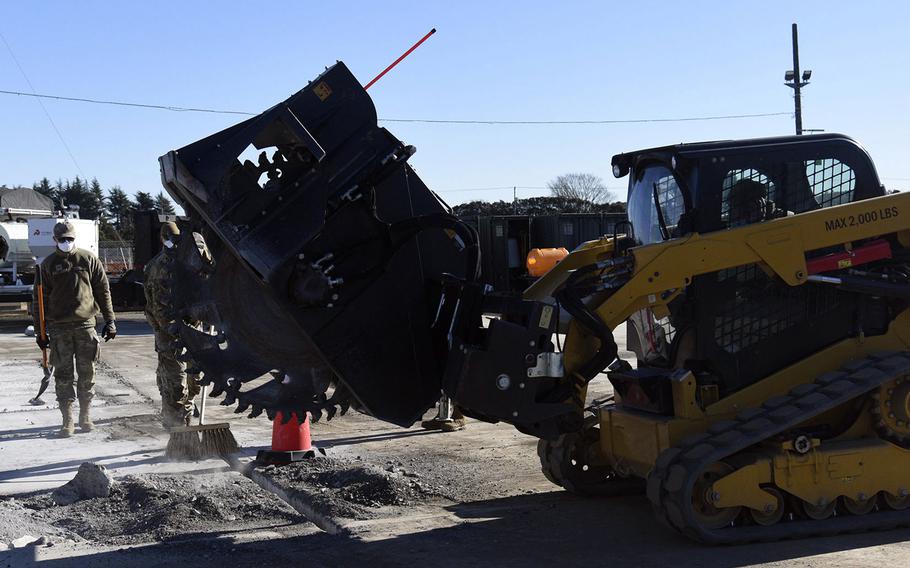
(585, 187)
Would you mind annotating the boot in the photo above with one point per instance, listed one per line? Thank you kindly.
(66, 408)
(432, 424)
(452, 425)
(85, 421)
(456, 423)
(443, 416)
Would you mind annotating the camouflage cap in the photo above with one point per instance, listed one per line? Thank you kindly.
(64, 229)
(169, 230)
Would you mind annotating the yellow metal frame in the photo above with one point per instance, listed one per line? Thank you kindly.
(634, 439)
(856, 469)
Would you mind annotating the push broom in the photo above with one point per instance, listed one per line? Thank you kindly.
(217, 439)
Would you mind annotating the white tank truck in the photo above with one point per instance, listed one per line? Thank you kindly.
(27, 221)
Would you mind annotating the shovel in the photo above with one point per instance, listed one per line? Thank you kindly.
(48, 370)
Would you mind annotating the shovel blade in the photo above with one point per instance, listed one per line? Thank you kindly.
(45, 382)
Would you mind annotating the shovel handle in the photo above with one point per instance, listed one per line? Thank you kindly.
(41, 325)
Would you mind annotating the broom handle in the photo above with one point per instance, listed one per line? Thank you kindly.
(204, 387)
(202, 406)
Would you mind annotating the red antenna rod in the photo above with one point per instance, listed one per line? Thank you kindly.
(397, 61)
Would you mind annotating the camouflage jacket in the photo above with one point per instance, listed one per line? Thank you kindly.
(75, 287)
(157, 274)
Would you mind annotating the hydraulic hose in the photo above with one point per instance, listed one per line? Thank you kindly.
(569, 297)
(405, 230)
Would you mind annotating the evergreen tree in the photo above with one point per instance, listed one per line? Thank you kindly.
(98, 194)
(92, 206)
(107, 232)
(163, 204)
(144, 201)
(120, 210)
(44, 187)
(58, 192)
(76, 194)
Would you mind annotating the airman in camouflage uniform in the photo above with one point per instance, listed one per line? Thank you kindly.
(75, 287)
(177, 388)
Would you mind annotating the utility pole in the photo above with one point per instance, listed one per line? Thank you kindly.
(514, 193)
(796, 81)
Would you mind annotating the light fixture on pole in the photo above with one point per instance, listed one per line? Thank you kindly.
(790, 78)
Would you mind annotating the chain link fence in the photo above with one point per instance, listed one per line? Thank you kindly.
(116, 256)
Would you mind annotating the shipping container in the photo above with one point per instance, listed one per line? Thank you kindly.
(506, 240)
(569, 230)
(504, 245)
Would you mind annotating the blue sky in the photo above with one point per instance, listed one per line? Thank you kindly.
(489, 60)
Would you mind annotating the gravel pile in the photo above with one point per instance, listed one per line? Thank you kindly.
(17, 520)
(350, 488)
(144, 508)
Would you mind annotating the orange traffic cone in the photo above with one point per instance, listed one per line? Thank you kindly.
(290, 442)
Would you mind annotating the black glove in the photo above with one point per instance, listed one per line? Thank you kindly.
(109, 331)
(43, 343)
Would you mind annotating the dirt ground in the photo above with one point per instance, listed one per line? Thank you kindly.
(399, 497)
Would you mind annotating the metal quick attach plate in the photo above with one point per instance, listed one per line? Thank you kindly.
(548, 365)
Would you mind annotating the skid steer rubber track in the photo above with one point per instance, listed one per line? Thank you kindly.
(671, 481)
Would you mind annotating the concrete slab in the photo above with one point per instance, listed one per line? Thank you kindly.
(128, 437)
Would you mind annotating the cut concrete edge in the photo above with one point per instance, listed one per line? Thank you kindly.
(295, 499)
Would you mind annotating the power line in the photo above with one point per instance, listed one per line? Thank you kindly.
(40, 102)
(126, 104)
(410, 120)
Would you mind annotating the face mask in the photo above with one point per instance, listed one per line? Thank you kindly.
(169, 244)
(66, 246)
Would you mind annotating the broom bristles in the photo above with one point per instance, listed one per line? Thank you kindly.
(218, 442)
(183, 446)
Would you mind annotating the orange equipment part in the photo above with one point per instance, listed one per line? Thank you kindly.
(540, 261)
(292, 436)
